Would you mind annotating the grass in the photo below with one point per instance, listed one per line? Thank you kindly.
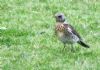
(23, 47)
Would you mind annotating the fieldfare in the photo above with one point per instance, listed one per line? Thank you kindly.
(66, 33)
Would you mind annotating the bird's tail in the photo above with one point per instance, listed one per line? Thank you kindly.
(83, 44)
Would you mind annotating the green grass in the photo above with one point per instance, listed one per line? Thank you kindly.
(23, 47)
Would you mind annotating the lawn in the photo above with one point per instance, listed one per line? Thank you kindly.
(29, 43)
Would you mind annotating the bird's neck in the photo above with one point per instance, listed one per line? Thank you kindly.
(62, 22)
(65, 22)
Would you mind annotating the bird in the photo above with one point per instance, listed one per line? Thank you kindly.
(66, 33)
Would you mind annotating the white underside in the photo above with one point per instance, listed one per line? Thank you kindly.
(69, 39)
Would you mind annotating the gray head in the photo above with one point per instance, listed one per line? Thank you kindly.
(60, 17)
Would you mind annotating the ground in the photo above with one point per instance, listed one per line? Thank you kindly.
(27, 40)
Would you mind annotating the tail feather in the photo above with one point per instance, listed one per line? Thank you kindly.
(83, 44)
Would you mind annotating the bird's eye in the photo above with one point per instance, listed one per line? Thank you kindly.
(59, 16)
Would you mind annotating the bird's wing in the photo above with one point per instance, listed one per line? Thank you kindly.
(72, 30)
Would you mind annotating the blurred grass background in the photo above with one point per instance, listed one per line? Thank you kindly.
(23, 47)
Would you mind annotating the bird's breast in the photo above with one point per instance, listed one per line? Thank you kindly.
(60, 28)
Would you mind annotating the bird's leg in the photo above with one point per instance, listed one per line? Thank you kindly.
(64, 46)
(72, 48)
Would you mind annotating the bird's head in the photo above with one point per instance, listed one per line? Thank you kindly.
(60, 17)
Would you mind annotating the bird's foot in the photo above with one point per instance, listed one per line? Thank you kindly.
(73, 50)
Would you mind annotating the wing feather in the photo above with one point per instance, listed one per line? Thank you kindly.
(72, 30)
